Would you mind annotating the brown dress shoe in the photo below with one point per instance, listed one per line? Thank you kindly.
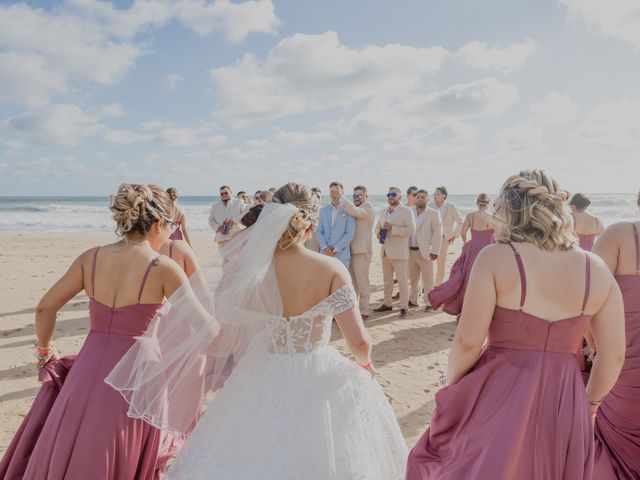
(413, 305)
(396, 296)
(404, 312)
(383, 308)
(429, 309)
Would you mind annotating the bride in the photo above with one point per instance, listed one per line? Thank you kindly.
(290, 405)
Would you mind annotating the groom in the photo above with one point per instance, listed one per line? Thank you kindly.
(336, 227)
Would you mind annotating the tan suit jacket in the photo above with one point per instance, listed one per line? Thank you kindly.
(363, 239)
(403, 226)
(449, 215)
(429, 232)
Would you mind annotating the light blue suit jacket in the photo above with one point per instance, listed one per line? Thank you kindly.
(338, 235)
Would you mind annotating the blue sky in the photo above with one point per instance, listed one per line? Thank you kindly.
(199, 93)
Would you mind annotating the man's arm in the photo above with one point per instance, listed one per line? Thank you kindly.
(350, 231)
(458, 220)
(320, 233)
(436, 232)
(213, 222)
(365, 211)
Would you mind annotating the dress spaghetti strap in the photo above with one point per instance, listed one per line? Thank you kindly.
(523, 277)
(93, 273)
(635, 238)
(587, 282)
(153, 262)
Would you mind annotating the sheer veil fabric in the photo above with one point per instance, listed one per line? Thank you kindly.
(198, 337)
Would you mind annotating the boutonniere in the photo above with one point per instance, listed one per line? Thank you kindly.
(343, 215)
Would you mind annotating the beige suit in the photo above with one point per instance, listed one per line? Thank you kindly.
(233, 210)
(426, 241)
(395, 252)
(361, 249)
(451, 227)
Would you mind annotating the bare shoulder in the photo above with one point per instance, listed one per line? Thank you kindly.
(167, 267)
(614, 233)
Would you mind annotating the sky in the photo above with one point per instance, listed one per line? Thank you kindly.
(195, 94)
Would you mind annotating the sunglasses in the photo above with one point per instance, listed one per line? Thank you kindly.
(392, 195)
(173, 225)
(356, 196)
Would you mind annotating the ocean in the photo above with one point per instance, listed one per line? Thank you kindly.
(73, 214)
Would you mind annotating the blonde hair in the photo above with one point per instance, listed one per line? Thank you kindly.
(483, 200)
(531, 208)
(135, 207)
(305, 218)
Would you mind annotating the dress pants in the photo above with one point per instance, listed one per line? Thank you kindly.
(420, 268)
(399, 267)
(442, 261)
(359, 270)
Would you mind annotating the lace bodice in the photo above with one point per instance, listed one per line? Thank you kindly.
(312, 329)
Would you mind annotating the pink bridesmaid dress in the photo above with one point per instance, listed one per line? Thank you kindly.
(85, 432)
(451, 293)
(617, 427)
(585, 240)
(521, 412)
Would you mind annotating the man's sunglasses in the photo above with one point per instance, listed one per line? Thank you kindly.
(357, 196)
(392, 195)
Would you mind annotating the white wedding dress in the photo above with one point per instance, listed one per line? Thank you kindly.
(308, 414)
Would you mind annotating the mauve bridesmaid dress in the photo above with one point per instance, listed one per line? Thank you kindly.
(85, 432)
(617, 428)
(521, 412)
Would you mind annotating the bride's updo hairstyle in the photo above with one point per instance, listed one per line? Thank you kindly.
(304, 219)
(531, 208)
(135, 207)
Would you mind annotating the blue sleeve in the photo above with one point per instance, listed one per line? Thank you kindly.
(320, 233)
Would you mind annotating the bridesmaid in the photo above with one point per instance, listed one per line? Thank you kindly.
(451, 293)
(86, 433)
(180, 252)
(586, 226)
(617, 427)
(178, 217)
(517, 407)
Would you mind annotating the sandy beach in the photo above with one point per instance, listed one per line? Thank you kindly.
(410, 354)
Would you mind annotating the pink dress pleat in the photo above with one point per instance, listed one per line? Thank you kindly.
(617, 428)
(520, 413)
(450, 294)
(85, 431)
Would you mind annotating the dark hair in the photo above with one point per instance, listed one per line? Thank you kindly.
(412, 188)
(336, 184)
(360, 187)
(580, 201)
(251, 216)
(173, 194)
(258, 192)
(225, 186)
(422, 190)
(241, 192)
(442, 190)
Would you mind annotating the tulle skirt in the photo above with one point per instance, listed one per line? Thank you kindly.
(312, 416)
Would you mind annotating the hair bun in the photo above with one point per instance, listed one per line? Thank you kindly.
(135, 207)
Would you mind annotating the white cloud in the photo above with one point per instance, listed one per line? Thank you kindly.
(63, 124)
(524, 139)
(612, 128)
(172, 80)
(112, 110)
(162, 132)
(424, 111)
(502, 59)
(615, 18)
(26, 77)
(236, 20)
(554, 109)
(43, 53)
(317, 72)
(351, 148)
